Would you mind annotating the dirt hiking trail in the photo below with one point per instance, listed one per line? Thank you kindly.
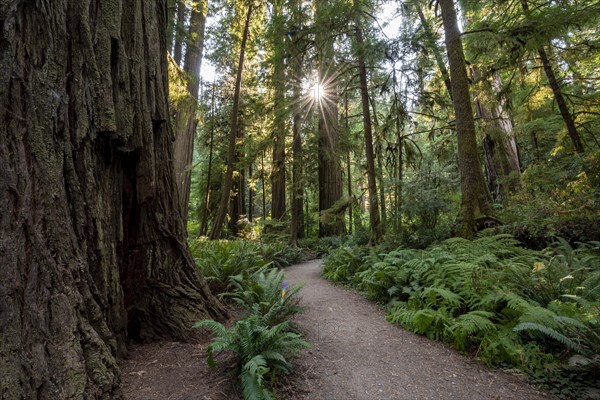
(355, 354)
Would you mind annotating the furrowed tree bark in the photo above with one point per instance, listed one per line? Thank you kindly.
(374, 218)
(475, 201)
(217, 228)
(185, 119)
(92, 245)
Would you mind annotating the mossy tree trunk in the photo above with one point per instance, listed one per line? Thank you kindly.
(374, 216)
(217, 228)
(185, 120)
(297, 203)
(475, 202)
(279, 123)
(501, 155)
(92, 243)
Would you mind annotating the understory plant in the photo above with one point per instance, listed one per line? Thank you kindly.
(263, 342)
(221, 259)
(536, 311)
(262, 352)
(266, 294)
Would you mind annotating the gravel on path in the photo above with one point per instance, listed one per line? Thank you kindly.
(357, 355)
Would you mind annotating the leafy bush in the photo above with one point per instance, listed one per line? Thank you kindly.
(262, 352)
(261, 294)
(342, 263)
(282, 254)
(221, 259)
(322, 246)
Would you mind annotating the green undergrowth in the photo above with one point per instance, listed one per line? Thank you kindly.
(535, 312)
(221, 259)
(264, 341)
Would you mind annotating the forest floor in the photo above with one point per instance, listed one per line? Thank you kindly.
(355, 354)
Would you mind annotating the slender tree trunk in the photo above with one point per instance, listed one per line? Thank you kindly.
(217, 228)
(379, 172)
(376, 232)
(278, 173)
(475, 199)
(558, 96)
(185, 120)
(238, 193)
(96, 251)
(331, 220)
(399, 148)
(250, 195)
(264, 190)
(205, 210)
(297, 220)
(179, 34)
(433, 46)
(348, 169)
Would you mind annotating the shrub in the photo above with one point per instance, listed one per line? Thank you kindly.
(262, 352)
(261, 294)
(221, 259)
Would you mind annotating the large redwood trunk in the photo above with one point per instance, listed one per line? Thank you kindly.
(91, 239)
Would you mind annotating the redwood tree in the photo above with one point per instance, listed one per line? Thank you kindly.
(185, 120)
(92, 243)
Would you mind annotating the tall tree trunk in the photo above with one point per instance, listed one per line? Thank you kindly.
(433, 46)
(97, 249)
(500, 151)
(264, 190)
(475, 199)
(278, 172)
(179, 31)
(331, 220)
(238, 193)
(205, 204)
(185, 120)
(379, 172)
(558, 96)
(297, 220)
(217, 228)
(348, 168)
(250, 195)
(376, 231)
